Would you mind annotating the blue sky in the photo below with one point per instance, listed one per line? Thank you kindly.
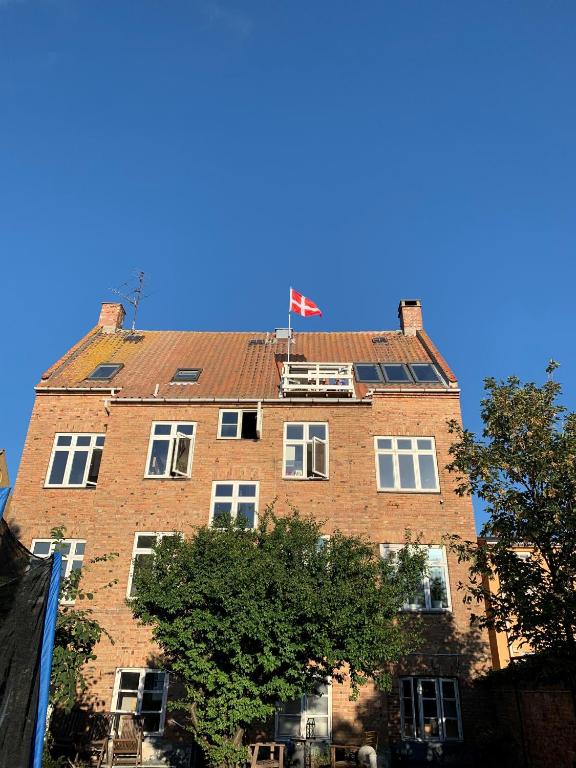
(362, 151)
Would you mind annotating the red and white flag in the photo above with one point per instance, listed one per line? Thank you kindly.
(302, 306)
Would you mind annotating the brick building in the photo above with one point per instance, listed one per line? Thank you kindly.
(137, 434)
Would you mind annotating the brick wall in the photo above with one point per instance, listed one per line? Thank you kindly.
(124, 502)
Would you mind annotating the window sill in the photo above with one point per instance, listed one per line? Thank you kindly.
(165, 477)
(69, 487)
(293, 477)
(409, 490)
(426, 610)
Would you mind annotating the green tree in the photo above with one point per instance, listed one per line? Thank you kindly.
(524, 470)
(247, 618)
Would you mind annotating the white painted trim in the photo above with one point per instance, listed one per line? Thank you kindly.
(235, 499)
(142, 671)
(172, 439)
(304, 717)
(304, 442)
(414, 452)
(143, 551)
(393, 548)
(240, 412)
(70, 450)
(72, 555)
(415, 682)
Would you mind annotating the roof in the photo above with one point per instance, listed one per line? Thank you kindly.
(232, 367)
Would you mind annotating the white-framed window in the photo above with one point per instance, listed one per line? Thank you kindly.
(406, 464)
(235, 497)
(305, 450)
(75, 460)
(240, 424)
(72, 551)
(434, 591)
(142, 692)
(171, 449)
(144, 543)
(430, 709)
(314, 710)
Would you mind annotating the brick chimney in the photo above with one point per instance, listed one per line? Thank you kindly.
(111, 317)
(410, 314)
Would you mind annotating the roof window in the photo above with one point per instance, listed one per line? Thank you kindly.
(105, 371)
(424, 372)
(187, 374)
(396, 373)
(368, 373)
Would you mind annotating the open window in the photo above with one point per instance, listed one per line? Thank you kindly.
(240, 424)
(306, 451)
(171, 449)
(75, 461)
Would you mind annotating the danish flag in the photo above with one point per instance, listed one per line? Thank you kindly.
(302, 306)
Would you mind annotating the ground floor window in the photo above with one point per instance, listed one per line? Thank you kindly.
(430, 709)
(143, 692)
(313, 711)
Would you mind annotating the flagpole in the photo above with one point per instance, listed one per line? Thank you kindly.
(289, 326)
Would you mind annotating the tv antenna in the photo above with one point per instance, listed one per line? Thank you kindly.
(133, 298)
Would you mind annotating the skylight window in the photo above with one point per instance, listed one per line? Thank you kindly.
(187, 374)
(105, 371)
(396, 373)
(424, 372)
(368, 373)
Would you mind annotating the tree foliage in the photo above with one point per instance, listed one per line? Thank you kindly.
(247, 618)
(524, 470)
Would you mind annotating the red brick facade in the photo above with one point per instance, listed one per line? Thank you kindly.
(124, 502)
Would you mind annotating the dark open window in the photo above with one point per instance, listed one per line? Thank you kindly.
(105, 371)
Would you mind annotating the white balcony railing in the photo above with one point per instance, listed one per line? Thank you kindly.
(317, 379)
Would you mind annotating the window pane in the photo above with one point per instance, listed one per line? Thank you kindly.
(428, 688)
(395, 372)
(182, 456)
(321, 727)
(288, 726)
(229, 430)
(224, 489)
(406, 467)
(230, 417)
(448, 689)
(145, 541)
(438, 588)
(451, 728)
(94, 469)
(151, 723)
(80, 546)
(154, 681)
(185, 429)
(159, 457)
(127, 701)
(221, 508)
(41, 548)
(450, 709)
(317, 430)
(424, 372)
(292, 707)
(427, 474)
(83, 440)
(424, 444)
(249, 425)
(368, 373)
(247, 490)
(76, 565)
(294, 460)
(139, 560)
(58, 468)
(294, 432)
(64, 440)
(317, 705)
(78, 467)
(384, 443)
(129, 681)
(152, 701)
(162, 429)
(319, 458)
(100, 441)
(404, 444)
(436, 554)
(63, 547)
(429, 708)
(407, 688)
(386, 470)
(248, 512)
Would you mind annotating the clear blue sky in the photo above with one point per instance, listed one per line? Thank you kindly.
(362, 151)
